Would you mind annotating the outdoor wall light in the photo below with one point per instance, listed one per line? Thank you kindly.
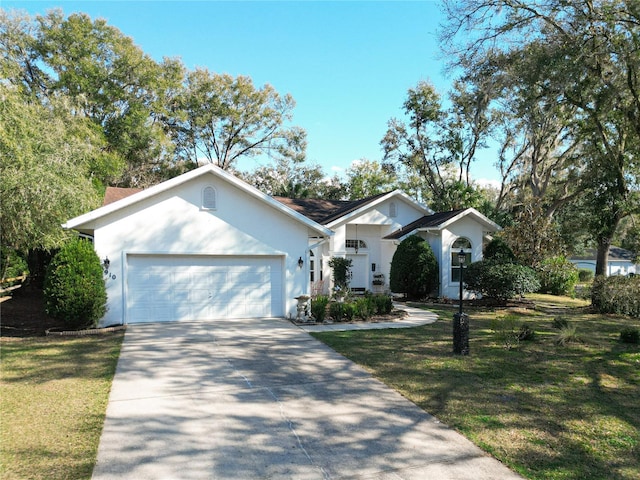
(105, 264)
(300, 262)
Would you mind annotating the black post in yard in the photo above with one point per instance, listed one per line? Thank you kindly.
(461, 320)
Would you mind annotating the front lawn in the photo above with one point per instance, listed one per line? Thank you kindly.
(548, 411)
(53, 399)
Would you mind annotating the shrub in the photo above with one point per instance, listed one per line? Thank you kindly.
(526, 333)
(383, 303)
(498, 251)
(365, 308)
(560, 322)
(319, 307)
(12, 264)
(500, 280)
(557, 276)
(74, 289)
(630, 335)
(567, 335)
(583, 292)
(616, 294)
(585, 275)
(414, 268)
(336, 311)
(349, 311)
(506, 331)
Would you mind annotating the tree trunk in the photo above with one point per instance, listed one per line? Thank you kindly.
(602, 257)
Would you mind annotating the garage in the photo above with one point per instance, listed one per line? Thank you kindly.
(169, 288)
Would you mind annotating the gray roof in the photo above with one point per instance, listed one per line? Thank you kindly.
(428, 221)
(615, 254)
(326, 211)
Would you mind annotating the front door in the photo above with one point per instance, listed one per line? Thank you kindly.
(359, 272)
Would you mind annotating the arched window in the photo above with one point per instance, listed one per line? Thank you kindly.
(209, 198)
(463, 244)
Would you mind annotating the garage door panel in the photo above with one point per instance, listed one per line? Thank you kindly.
(176, 287)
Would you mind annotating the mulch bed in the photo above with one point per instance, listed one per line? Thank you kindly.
(23, 315)
(391, 317)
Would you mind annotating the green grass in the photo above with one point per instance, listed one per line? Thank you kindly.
(548, 411)
(53, 400)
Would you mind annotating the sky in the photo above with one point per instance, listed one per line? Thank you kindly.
(348, 65)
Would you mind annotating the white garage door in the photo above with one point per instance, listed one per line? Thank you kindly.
(168, 288)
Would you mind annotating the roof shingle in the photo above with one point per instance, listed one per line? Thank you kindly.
(427, 221)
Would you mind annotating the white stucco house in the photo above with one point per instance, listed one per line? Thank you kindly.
(206, 245)
(620, 261)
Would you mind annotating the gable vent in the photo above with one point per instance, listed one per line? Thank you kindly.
(209, 198)
(393, 210)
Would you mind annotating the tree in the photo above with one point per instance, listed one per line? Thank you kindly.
(628, 236)
(437, 145)
(222, 118)
(341, 268)
(366, 178)
(110, 81)
(585, 59)
(414, 268)
(533, 236)
(288, 177)
(46, 158)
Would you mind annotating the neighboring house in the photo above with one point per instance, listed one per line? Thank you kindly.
(206, 245)
(620, 261)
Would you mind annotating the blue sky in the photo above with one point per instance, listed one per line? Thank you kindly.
(348, 65)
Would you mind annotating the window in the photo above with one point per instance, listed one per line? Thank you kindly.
(312, 268)
(209, 198)
(460, 244)
(393, 210)
(356, 244)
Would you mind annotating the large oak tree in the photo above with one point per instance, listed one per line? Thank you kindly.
(581, 60)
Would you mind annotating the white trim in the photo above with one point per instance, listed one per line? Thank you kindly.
(480, 218)
(396, 193)
(98, 213)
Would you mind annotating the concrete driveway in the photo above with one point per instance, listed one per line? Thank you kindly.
(256, 399)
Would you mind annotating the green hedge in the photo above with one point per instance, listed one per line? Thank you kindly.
(585, 275)
(74, 289)
(617, 294)
(500, 280)
(361, 307)
(558, 276)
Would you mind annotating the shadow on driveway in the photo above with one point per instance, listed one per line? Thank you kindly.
(246, 399)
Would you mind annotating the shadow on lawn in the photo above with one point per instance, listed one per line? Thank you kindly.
(547, 410)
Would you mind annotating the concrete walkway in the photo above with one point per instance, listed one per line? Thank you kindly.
(415, 317)
(247, 399)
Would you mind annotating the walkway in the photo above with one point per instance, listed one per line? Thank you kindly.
(415, 317)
